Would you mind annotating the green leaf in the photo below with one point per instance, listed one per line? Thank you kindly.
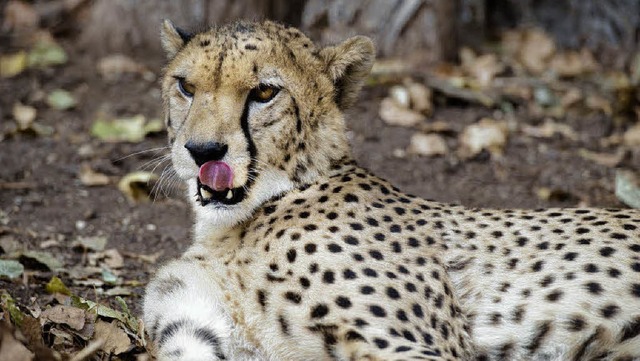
(61, 100)
(10, 268)
(46, 53)
(56, 285)
(9, 305)
(43, 258)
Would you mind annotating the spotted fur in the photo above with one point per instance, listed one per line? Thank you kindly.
(313, 258)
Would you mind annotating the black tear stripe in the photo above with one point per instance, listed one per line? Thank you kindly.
(631, 330)
(539, 336)
(251, 147)
(296, 110)
(588, 342)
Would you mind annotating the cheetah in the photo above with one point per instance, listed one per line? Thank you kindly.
(300, 254)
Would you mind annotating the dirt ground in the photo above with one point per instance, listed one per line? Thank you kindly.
(44, 204)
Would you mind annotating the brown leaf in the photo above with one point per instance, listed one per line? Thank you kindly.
(68, 315)
(427, 144)
(573, 63)
(89, 177)
(548, 129)
(631, 137)
(536, 48)
(605, 159)
(483, 68)
(486, 134)
(18, 15)
(12, 349)
(393, 113)
(420, 97)
(115, 339)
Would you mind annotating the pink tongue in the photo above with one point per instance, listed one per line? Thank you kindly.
(216, 175)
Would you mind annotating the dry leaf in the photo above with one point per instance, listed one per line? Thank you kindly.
(400, 95)
(535, 50)
(112, 258)
(420, 97)
(95, 243)
(19, 15)
(12, 64)
(61, 99)
(12, 349)
(68, 315)
(393, 113)
(113, 66)
(597, 102)
(628, 188)
(631, 137)
(89, 177)
(605, 159)
(486, 134)
(573, 63)
(137, 186)
(548, 129)
(24, 115)
(483, 68)
(427, 144)
(115, 339)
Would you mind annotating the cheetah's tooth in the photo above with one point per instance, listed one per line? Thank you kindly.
(230, 194)
(205, 193)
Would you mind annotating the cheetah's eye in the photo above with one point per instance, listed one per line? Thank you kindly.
(187, 89)
(263, 93)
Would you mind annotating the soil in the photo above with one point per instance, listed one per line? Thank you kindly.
(42, 198)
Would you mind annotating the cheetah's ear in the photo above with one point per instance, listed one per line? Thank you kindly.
(348, 65)
(173, 38)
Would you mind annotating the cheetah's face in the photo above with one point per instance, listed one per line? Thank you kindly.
(254, 110)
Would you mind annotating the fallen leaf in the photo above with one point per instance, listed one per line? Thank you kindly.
(420, 97)
(12, 64)
(11, 268)
(12, 349)
(548, 129)
(39, 259)
(113, 66)
(108, 277)
(557, 195)
(631, 137)
(393, 113)
(573, 63)
(571, 97)
(24, 115)
(486, 134)
(55, 285)
(137, 186)
(535, 50)
(93, 243)
(9, 244)
(400, 95)
(628, 188)
(20, 16)
(113, 259)
(72, 316)
(119, 291)
(605, 159)
(91, 178)
(427, 144)
(597, 102)
(61, 99)
(483, 68)
(115, 339)
(132, 129)
(9, 305)
(46, 53)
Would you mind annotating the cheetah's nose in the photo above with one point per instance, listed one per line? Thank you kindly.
(204, 152)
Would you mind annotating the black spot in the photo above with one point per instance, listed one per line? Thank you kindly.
(395, 228)
(570, 256)
(262, 299)
(349, 274)
(417, 310)
(310, 227)
(382, 344)
(379, 237)
(609, 311)
(630, 330)
(328, 277)
(541, 332)
(618, 235)
(284, 325)
(576, 324)
(350, 198)
(614, 272)
(537, 267)
(594, 288)
(350, 240)
(250, 47)
(334, 248)
(591, 268)
(310, 248)
(393, 293)
(377, 311)
(319, 311)
(205, 42)
(291, 255)
(554, 296)
(367, 290)
(343, 302)
(304, 282)
(635, 289)
(635, 266)
(607, 251)
(369, 272)
(376, 255)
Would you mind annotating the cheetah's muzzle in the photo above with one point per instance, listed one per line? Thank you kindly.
(215, 181)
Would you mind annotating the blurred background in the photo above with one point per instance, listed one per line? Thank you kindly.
(492, 103)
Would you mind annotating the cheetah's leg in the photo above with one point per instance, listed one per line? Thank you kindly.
(187, 318)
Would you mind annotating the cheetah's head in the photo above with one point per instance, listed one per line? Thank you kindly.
(254, 110)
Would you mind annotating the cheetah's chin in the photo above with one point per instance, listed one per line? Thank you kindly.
(228, 196)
